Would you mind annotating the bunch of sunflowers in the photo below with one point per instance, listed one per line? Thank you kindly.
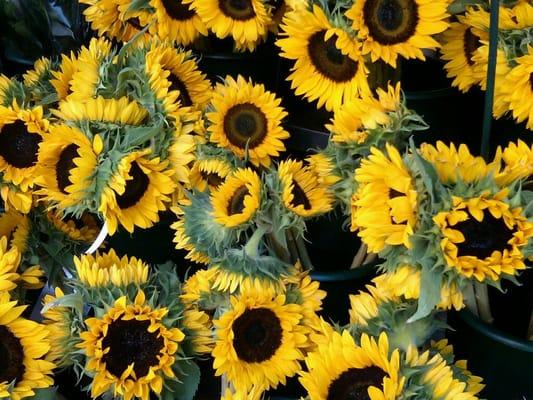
(465, 47)
(115, 134)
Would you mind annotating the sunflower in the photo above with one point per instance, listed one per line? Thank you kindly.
(177, 21)
(111, 18)
(389, 28)
(197, 285)
(209, 173)
(130, 351)
(58, 323)
(136, 192)
(518, 84)
(200, 326)
(236, 201)
(453, 164)
(518, 159)
(460, 42)
(83, 229)
(306, 292)
(67, 164)
(327, 54)
(405, 282)
(340, 369)
(119, 111)
(364, 306)
(228, 281)
(323, 166)
(384, 206)
(41, 69)
(6, 85)
(259, 340)
(352, 122)
(16, 199)
(21, 132)
(9, 263)
(62, 77)
(437, 379)
(108, 269)
(24, 345)
(86, 78)
(16, 228)
(246, 119)
(301, 191)
(181, 71)
(183, 241)
(482, 237)
(246, 21)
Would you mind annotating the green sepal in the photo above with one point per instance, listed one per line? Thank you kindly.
(430, 284)
(185, 385)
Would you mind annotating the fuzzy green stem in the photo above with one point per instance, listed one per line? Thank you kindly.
(281, 252)
(293, 250)
(302, 251)
(252, 247)
(482, 300)
(470, 298)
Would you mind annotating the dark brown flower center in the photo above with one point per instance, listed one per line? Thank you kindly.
(394, 193)
(245, 124)
(353, 384)
(329, 60)
(12, 359)
(471, 44)
(135, 187)
(482, 238)
(236, 203)
(64, 165)
(130, 342)
(177, 10)
(212, 178)
(257, 335)
(299, 196)
(135, 22)
(18, 147)
(241, 10)
(177, 84)
(391, 21)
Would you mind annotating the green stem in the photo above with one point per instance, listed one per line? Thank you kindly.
(482, 299)
(470, 298)
(252, 247)
(359, 256)
(281, 252)
(293, 250)
(302, 251)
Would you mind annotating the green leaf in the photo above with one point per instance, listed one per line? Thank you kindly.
(46, 394)
(430, 281)
(188, 374)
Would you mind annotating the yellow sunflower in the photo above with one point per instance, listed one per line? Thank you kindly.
(232, 282)
(183, 76)
(518, 84)
(24, 345)
(389, 28)
(246, 119)
(323, 167)
(209, 173)
(57, 322)
(518, 159)
(9, 263)
(112, 19)
(177, 21)
(405, 282)
(62, 78)
(16, 228)
(21, 132)
(197, 285)
(121, 111)
(183, 241)
(482, 237)
(259, 340)
(364, 305)
(236, 201)
(200, 325)
(41, 67)
(5, 85)
(181, 154)
(136, 192)
(246, 21)
(339, 369)
(83, 229)
(86, 78)
(438, 380)
(353, 120)
(15, 199)
(327, 54)
(453, 164)
(130, 351)
(108, 269)
(459, 44)
(301, 191)
(67, 165)
(384, 206)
